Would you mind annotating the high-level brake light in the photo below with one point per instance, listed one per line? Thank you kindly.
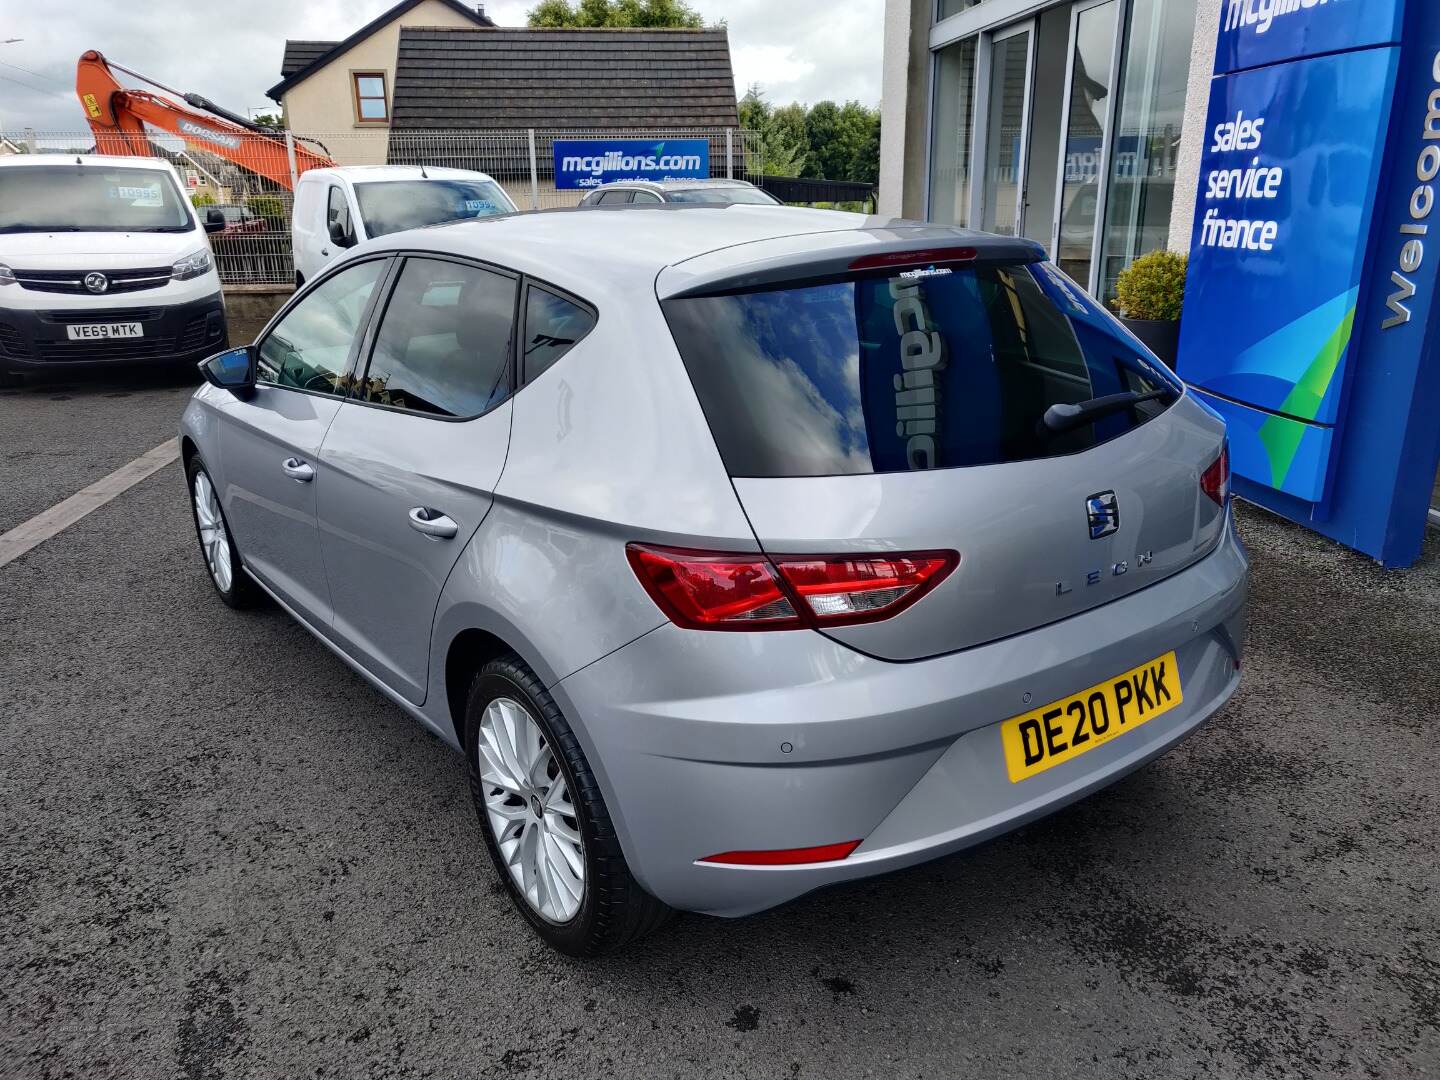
(924, 257)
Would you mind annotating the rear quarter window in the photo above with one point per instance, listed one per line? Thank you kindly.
(893, 373)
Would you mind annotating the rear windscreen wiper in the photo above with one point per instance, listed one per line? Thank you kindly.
(1063, 417)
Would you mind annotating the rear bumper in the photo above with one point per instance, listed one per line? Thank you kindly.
(33, 341)
(687, 732)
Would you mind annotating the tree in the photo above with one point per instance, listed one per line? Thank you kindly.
(777, 145)
(857, 138)
(269, 120)
(825, 158)
(615, 13)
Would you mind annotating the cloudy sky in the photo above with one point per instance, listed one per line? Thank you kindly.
(231, 52)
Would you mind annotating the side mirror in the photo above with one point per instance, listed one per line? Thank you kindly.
(340, 236)
(233, 370)
(214, 220)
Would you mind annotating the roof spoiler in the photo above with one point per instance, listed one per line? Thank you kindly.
(888, 244)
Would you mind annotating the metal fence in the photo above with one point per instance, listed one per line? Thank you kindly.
(250, 177)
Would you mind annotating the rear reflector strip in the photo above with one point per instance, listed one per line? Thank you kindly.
(785, 856)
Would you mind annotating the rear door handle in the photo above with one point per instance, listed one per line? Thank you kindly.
(433, 523)
(299, 471)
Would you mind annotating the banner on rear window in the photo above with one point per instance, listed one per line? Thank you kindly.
(588, 163)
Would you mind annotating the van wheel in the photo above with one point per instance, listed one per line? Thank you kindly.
(545, 823)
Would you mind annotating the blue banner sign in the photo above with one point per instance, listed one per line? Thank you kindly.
(1309, 319)
(591, 162)
(1256, 32)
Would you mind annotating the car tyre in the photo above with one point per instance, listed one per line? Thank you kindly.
(217, 545)
(612, 910)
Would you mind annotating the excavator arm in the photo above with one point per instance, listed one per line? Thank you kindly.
(118, 115)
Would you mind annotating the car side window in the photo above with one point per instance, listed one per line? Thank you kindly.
(444, 343)
(645, 197)
(553, 325)
(610, 198)
(309, 347)
(338, 211)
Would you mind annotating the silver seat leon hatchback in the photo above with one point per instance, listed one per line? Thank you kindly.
(740, 550)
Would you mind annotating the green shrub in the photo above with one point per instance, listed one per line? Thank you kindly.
(202, 198)
(1152, 287)
(269, 207)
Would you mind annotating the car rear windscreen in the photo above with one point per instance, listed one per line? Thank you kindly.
(925, 369)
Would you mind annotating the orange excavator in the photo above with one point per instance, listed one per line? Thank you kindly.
(118, 116)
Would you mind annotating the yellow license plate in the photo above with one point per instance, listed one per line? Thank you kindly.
(1065, 729)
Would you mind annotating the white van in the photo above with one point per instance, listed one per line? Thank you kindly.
(103, 261)
(338, 208)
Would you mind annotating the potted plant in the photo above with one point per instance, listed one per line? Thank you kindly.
(1149, 294)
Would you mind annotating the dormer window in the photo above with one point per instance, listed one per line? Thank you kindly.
(370, 102)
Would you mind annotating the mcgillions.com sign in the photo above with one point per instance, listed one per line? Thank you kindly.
(1309, 320)
(592, 162)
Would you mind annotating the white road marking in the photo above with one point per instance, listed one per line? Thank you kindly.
(62, 515)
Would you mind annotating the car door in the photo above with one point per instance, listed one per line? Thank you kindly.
(338, 211)
(410, 463)
(270, 443)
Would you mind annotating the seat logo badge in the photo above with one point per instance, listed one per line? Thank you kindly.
(96, 282)
(1102, 510)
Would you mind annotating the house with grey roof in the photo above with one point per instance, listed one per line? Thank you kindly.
(425, 67)
(345, 89)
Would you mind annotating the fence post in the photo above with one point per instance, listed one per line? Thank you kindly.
(729, 153)
(534, 175)
(290, 153)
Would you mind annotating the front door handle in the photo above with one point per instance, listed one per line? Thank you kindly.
(300, 471)
(432, 523)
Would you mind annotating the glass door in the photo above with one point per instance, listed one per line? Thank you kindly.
(1006, 122)
(1085, 141)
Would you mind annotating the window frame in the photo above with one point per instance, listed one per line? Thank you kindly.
(377, 316)
(356, 97)
(650, 197)
(367, 319)
(629, 194)
(524, 335)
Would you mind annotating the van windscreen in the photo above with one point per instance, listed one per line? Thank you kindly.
(90, 198)
(931, 368)
(389, 206)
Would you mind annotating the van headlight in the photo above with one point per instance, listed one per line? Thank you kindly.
(7, 276)
(192, 265)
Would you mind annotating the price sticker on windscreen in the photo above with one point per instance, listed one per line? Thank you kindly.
(138, 195)
(479, 206)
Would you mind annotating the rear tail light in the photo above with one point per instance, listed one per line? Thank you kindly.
(702, 590)
(786, 856)
(1215, 481)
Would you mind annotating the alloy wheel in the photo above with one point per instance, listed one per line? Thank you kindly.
(530, 810)
(214, 540)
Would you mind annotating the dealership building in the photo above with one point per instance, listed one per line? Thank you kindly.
(1076, 123)
(1309, 323)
